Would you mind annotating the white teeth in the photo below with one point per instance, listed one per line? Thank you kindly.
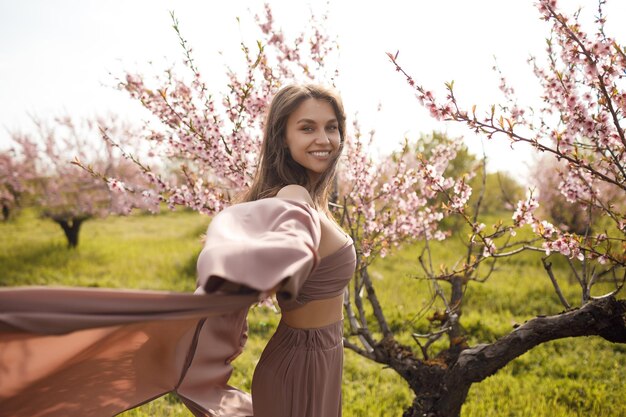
(326, 153)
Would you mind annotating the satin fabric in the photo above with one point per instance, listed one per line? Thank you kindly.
(299, 373)
(328, 280)
(94, 352)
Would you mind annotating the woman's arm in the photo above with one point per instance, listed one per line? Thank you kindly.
(264, 245)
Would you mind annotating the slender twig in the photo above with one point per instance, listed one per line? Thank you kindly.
(376, 307)
(369, 355)
(548, 267)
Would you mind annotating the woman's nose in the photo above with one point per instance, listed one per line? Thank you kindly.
(323, 137)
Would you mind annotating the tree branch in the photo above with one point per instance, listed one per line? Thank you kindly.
(605, 317)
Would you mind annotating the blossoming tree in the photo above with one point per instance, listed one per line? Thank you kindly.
(65, 193)
(581, 124)
(214, 141)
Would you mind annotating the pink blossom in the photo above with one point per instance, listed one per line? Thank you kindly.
(116, 185)
(489, 248)
(524, 211)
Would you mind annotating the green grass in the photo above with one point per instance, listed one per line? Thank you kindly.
(140, 251)
(571, 377)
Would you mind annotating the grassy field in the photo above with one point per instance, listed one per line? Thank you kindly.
(572, 377)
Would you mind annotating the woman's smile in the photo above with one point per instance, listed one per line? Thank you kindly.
(323, 155)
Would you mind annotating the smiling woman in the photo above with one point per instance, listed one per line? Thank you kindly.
(303, 122)
(97, 352)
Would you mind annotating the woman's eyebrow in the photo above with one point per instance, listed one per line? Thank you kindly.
(313, 121)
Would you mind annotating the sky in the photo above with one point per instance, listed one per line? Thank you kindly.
(62, 56)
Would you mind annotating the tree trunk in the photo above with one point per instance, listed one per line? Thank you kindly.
(5, 212)
(455, 335)
(438, 392)
(71, 228)
(441, 384)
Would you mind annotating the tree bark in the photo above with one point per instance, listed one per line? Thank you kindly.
(441, 384)
(457, 339)
(604, 317)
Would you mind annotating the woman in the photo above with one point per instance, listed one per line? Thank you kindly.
(94, 352)
(299, 373)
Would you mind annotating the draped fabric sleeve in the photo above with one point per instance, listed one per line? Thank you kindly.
(261, 244)
(97, 352)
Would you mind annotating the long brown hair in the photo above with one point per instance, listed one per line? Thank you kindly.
(276, 167)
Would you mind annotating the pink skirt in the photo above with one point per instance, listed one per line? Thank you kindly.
(299, 373)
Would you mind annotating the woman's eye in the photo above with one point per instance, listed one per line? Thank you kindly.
(332, 127)
(307, 128)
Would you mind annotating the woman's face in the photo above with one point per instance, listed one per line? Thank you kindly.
(313, 136)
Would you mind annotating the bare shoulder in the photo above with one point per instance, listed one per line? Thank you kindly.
(297, 193)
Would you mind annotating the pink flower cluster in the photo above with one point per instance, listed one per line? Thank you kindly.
(18, 172)
(306, 56)
(393, 201)
(577, 185)
(64, 191)
(489, 248)
(566, 245)
(524, 211)
(217, 136)
(579, 123)
(116, 185)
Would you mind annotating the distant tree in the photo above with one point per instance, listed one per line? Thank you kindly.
(17, 174)
(67, 194)
(427, 144)
(571, 216)
(497, 191)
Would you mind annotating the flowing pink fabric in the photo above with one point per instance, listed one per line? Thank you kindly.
(93, 352)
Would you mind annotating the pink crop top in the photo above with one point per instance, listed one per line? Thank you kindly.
(327, 280)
